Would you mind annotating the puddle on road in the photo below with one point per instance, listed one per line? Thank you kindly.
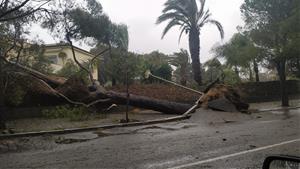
(287, 114)
(75, 138)
(153, 129)
(160, 128)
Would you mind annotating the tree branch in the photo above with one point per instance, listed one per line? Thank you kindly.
(75, 59)
(14, 9)
(99, 54)
(63, 96)
(26, 13)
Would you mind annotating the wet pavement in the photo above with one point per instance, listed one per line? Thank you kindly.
(209, 139)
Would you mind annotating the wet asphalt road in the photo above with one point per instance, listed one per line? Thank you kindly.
(207, 140)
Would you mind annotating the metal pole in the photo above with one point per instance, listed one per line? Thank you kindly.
(127, 91)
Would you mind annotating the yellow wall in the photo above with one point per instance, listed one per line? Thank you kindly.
(81, 56)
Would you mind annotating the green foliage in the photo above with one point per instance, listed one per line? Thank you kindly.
(119, 37)
(25, 11)
(158, 64)
(120, 62)
(71, 69)
(213, 70)
(16, 96)
(240, 53)
(90, 24)
(66, 111)
(230, 77)
(39, 62)
(115, 65)
(87, 22)
(190, 16)
(273, 26)
(294, 67)
(164, 71)
(183, 67)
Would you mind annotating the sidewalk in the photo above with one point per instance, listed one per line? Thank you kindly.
(272, 105)
(46, 124)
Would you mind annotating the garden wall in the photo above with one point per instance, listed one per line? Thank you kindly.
(268, 91)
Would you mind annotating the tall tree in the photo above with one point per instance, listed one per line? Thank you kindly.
(240, 52)
(213, 69)
(105, 34)
(182, 62)
(15, 14)
(191, 17)
(267, 20)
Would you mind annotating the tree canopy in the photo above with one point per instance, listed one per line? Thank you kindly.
(274, 27)
(190, 17)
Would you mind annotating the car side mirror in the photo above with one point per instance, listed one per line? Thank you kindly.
(281, 162)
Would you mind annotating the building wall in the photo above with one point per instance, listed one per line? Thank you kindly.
(59, 62)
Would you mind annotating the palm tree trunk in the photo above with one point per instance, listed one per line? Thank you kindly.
(194, 45)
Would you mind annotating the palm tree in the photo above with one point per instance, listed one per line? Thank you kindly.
(182, 62)
(191, 17)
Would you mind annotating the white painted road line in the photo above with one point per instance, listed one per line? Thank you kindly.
(233, 155)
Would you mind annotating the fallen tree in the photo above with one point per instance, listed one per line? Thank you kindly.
(224, 98)
(147, 103)
(75, 91)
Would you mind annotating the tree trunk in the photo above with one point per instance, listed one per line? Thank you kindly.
(194, 45)
(76, 61)
(280, 65)
(236, 70)
(2, 120)
(113, 81)
(101, 75)
(145, 102)
(298, 66)
(250, 74)
(255, 67)
(101, 98)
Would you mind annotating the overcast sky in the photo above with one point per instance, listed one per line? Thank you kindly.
(145, 35)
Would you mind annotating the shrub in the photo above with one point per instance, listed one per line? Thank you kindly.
(66, 111)
(71, 69)
(15, 96)
(230, 77)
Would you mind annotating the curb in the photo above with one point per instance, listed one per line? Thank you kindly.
(278, 109)
(75, 130)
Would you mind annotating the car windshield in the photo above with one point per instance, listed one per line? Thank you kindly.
(148, 84)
